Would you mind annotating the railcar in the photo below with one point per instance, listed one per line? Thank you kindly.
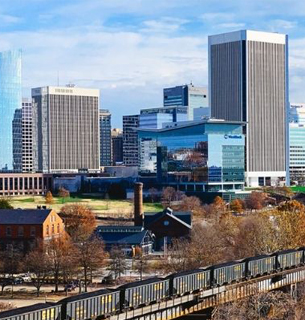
(90, 305)
(189, 281)
(290, 258)
(40, 311)
(143, 292)
(260, 265)
(228, 272)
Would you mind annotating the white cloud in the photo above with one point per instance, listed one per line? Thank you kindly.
(130, 68)
(231, 25)
(164, 25)
(6, 19)
(217, 17)
(282, 25)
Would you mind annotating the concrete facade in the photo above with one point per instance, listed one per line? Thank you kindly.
(15, 184)
(66, 129)
(248, 81)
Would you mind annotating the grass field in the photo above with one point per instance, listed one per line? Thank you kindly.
(298, 189)
(99, 206)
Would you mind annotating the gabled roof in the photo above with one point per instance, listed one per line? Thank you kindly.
(23, 216)
(122, 235)
(184, 218)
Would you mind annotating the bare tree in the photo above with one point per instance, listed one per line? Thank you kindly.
(61, 253)
(90, 256)
(192, 204)
(140, 263)
(38, 262)
(118, 263)
(153, 192)
(11, 264)
(273, 305)
(169, 195)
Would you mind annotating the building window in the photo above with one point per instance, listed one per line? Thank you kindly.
(33, 231)
(58, 228)
(48, 231)
(20, 231)
(8, 231)
(166, 223)
(52, 228)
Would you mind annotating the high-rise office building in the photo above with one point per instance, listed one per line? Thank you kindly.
(10, 100)
(66, 129)
(155, 118)
(23, 138)
(297, 142)
(248, 81)
(105, 138)
(130, 140)
(17, 140)
(186, 96)
(27, 135)
(297, 152)
(117, 146)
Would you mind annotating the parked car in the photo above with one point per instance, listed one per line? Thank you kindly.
(17, 280)
(26, 278)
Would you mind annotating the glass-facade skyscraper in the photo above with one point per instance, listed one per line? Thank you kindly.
(10, 100)
(203, 156)
(188, 96)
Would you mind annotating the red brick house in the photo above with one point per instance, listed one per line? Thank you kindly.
(24, 228)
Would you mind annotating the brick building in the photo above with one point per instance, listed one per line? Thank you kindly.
(24, 228)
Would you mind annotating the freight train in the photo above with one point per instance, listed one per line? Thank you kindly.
(103, 303)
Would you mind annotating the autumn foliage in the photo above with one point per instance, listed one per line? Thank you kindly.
(232, 237)
(49, 198)
(79, 221)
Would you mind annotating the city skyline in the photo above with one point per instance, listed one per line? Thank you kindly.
(95, 45)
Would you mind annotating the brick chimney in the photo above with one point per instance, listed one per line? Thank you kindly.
(138, 203)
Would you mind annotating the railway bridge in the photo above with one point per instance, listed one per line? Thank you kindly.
(182, 307)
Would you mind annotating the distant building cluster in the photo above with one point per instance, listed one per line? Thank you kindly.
(239, 131)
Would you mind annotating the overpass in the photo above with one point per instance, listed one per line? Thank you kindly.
(204, 300)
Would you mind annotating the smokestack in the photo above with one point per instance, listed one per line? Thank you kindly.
(138, 203)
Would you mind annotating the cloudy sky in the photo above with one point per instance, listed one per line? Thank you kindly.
(131, 49)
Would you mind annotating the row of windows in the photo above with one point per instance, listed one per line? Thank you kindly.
(8, 231)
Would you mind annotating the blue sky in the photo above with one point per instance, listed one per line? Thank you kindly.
(131, 49)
